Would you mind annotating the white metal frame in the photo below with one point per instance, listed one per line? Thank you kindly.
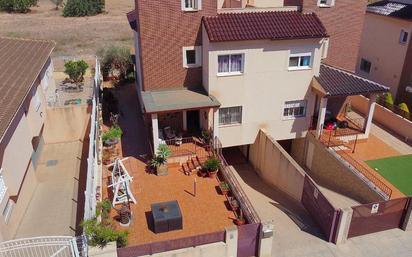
(121, 180)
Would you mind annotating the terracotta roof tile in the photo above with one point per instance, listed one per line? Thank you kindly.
(21, 61)
(263, 25)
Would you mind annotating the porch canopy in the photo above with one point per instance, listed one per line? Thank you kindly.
(177, 100)
(335, 82)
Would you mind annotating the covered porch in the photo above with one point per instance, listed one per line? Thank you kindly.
(181, 118)
(333, 114)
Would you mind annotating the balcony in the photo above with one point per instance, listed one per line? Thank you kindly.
(252, 5)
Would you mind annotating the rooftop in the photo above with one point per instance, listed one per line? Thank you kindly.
(178, 99)
(338, 82)
(274, 25)
(399, 9)
(21, 61)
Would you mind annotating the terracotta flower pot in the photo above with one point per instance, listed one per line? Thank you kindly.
(240, 222)
(162, 170)
(212, 174)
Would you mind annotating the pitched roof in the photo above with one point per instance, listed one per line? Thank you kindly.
(398, 9)
(337, 82)
(21, 62)
(263, 25)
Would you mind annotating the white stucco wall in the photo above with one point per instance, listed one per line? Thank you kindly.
(263, 88)
(380, 45)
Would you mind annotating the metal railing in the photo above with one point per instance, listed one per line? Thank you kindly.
(46, 246)
(248, 209)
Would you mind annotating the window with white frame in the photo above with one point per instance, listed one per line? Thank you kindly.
(192, 56)
(404, 36)
(8, 210)
(191, 5)
(365, 65)
(230, 64)
(326, 3)
(294, 109)
(230, 115)
(300, 61)
(3, 187)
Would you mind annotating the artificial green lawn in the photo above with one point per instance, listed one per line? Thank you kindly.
(397, 170)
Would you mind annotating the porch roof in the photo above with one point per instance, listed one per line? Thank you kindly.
(337, 82)
(177, 99)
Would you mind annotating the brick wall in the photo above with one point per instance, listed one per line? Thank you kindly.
(344, 23)
(164, 29)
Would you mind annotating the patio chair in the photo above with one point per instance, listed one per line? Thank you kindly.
(170, 134)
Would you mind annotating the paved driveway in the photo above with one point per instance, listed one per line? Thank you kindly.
(296, 234)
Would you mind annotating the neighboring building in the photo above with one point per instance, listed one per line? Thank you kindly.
(26, 73)
(343, 19)
(386, 50)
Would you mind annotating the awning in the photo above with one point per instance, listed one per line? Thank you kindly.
(336, 82)
(177, 100)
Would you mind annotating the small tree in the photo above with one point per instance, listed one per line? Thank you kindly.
(404, 107)
(389, 98)
(20, 6)
(78, 8)
(76, 70)
(116, 62)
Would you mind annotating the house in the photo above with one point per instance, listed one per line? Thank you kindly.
(26, 74)
(385, 51)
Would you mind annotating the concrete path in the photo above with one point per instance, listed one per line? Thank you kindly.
(52, 209)
(296, 234)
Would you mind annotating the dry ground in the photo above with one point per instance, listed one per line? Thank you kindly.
(80, 36)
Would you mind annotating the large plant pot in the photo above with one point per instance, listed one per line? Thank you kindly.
(111, 142)
(240, 222)
(162, 170)
(212, 174)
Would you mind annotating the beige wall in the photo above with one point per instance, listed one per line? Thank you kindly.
(385, 117)
(276, 166)
(380, 45)
(65, 124)
(263, 88)
(330, 172)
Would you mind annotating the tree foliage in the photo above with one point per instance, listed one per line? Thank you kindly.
(102, 233)
(389, 98)
(116, 62)
(76, 70)
(21, 6)
(404, 107)
(78, 8)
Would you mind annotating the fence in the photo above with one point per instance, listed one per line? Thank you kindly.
(380, 216)
(170, 245)
(92, 160)
(46, 246)
(321, 210)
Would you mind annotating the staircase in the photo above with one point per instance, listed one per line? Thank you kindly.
(193, 165)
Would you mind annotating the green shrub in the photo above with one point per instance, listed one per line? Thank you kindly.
(212, 164)
(404, 107)
(100, 234)
(389, 98)
(78, 8)
(103, 209)
(116, 62)
(21, 6)
(163, 151)
(112, 133)
(76, 70)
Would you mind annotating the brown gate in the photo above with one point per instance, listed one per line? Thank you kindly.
(248, 240)
(380, 216)
(320, 209)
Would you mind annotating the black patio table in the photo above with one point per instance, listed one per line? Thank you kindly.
(167, 216)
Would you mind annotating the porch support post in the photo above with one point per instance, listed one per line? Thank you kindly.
(184, 120)
(155, 127)
(216, 122)
(321, 116)
(368, 121)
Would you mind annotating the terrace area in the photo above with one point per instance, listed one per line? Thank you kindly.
(204, 209)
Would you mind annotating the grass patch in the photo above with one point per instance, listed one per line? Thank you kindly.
(397, 170)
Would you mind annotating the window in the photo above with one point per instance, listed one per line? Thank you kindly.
(192, 56)
(294, 109)
(3, 188)
(326, 3)
(365, 65)
(404, 37)
(37, 101)
(191, 5)
(230, 115)
(299, 61)
(8, 210)
(230, 64)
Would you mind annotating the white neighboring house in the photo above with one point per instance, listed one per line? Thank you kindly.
(26, 75)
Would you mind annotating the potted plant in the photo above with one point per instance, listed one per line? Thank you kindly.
(112, 136)
(224, 187)
(159, 162)
(234, 204)
(211, 166)
(240, 220)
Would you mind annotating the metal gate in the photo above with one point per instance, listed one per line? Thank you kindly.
(320, 209)
(248, 240)
(379, 216)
